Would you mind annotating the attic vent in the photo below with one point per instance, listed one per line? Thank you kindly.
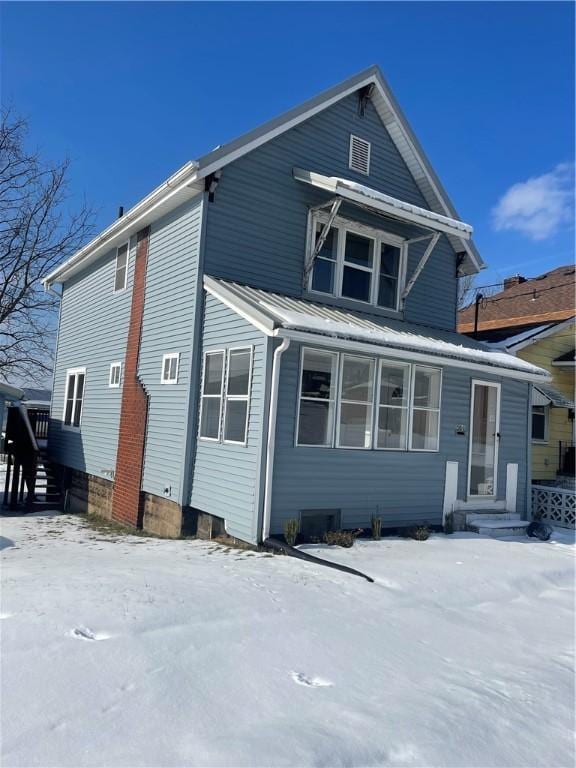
(359, 159)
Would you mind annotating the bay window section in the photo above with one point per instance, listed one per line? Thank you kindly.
(317, 398)
(425, 408)
(357, 267)
(324, 273)
(393, 399)
(356, 397)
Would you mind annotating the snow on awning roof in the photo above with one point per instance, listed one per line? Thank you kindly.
(544, 394)
(385, 204)
(279, 315)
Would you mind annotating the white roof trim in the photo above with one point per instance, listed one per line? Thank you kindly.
(544, 394)
(526, 338)
(274, 319)
(10, 391)
(390, 206)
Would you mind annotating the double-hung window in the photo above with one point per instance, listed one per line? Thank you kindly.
(357, 262)
(170, 364)
(356, 396)
(425, 408)
(115, 375)
(237, 395)
(75, 380)
(121, 271)
(212, 391)
(540, 423)
(317, 397)
(393, 400)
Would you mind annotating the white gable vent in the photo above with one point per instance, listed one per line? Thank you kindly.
(359, 159)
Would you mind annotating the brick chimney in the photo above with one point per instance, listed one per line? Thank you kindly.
(510, 282)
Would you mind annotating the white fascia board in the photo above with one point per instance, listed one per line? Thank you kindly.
(258, 319)
(538, 335)
(386, 204)
(11, 392)
(402, 354)
(175, 190)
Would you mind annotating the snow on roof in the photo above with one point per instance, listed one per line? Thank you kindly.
(299, 314)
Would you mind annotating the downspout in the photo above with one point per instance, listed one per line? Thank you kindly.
(271, 441)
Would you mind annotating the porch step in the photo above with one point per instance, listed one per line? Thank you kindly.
(478, 515)
(497, 529)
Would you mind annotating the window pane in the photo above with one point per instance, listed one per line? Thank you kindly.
(392, 427)
(120, 281)
(235, 426)
(358, 249)
(389, 260)
(394, 385)
(356, 284)
(427, 388)
(330, 246)
(210, 424)
(213, 373)
(315, 423)
(318, 375)
(80, 386)
(323, 276)
(68, 413)
(77, 412)
(173, 368)
(238, 372)
(357, 378)
(538, 422)
(355, 425)
(425, 430)
(387, 288)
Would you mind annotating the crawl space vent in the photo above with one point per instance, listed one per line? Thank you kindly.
(359, 159)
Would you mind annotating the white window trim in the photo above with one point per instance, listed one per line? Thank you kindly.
(113, 366)
(246, 397)
(378, 363)
(333, 401)
(413, 408)
(205, 356)
(378, 237)
(382, 362)
(73, 372)
(546, 439)
(121, 290)
(346, 401)
(170, 356)
(364, 141)
(498, 388)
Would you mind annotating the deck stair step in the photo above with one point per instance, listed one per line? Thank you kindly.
(496, 525)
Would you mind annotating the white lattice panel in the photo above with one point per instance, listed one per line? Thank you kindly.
(554, 505)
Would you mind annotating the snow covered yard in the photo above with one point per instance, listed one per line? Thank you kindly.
(129, 651)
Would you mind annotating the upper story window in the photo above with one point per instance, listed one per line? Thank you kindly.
(359, 155)
(115, 375)
(75, 378)
(357, 262)
(121, 273)
(170, 363)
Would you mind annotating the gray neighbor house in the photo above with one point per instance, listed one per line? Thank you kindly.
(270, 335)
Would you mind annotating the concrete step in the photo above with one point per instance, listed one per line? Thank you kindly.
(477, 517)
(497, 529)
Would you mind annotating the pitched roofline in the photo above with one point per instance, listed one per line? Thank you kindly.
(539, 334)
(511, 322)
(194, 171)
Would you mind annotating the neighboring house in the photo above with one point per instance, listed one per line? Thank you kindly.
(9, 395)
(534, 320)
(270, 334)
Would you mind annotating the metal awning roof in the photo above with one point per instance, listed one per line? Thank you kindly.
(385, 204)
(278, 315)
(544, 394)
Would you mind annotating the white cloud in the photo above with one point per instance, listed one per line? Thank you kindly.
(540, 206)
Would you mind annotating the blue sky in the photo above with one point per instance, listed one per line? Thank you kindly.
(130, 91)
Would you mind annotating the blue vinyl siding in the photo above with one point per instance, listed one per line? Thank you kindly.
(404, 487)
(168, 326)
(93, 329)
(226, 478)
(256, 226)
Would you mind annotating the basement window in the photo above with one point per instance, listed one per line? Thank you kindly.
(74, 399)
(359, 155)
(121, 273)
(170, 363)
(115, 375)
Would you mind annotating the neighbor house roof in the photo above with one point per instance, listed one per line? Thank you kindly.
(278, 315)
(550, 396)
(544, 299)
(11, 392)
(568, 359)
(526, 338)
(189, 180)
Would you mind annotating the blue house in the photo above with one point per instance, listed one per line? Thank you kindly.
(270, 335)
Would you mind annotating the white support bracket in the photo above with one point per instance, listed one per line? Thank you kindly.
(336, 203)
(421, 264)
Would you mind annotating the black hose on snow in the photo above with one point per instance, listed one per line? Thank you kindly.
(280, 546)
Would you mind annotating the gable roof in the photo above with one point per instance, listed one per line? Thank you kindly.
(526, 338)
(543, 299)
(188, 181)
(279, 315)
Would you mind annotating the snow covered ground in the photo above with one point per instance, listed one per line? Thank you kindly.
(129, 651)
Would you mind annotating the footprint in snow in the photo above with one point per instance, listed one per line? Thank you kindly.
(311, 682)
(83, 633)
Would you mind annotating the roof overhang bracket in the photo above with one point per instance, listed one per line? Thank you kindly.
(334, 208)
(421, 264)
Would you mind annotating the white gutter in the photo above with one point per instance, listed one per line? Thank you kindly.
(183, 178)
(271, 442)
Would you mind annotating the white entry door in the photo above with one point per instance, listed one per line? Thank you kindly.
(484, 439)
